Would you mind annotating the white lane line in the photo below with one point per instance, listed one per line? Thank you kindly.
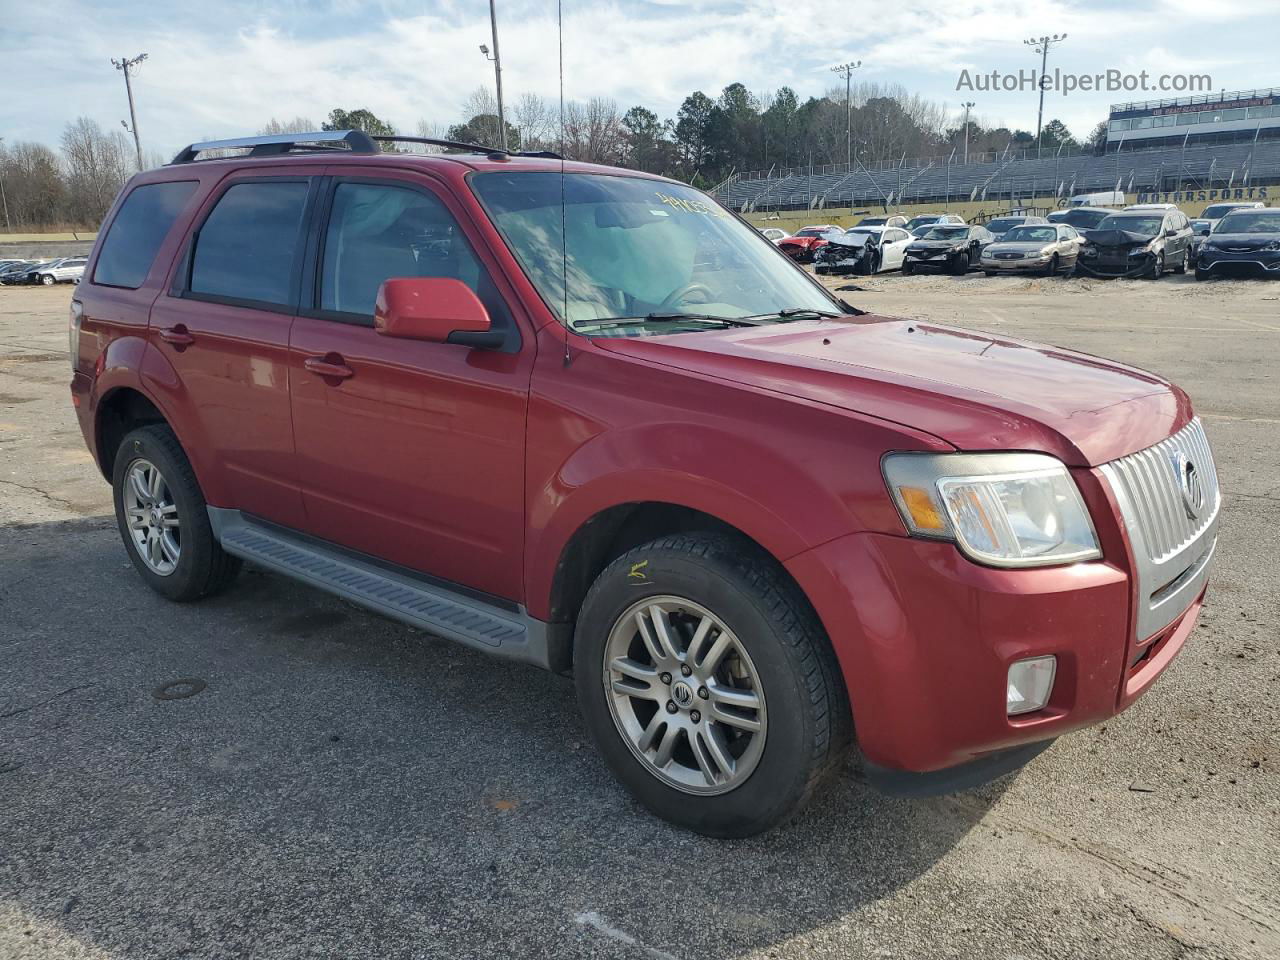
(597, 923)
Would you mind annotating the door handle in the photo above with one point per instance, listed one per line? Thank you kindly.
(178, 336)
(330, 365)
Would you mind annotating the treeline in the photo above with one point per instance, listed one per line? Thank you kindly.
(708, 139)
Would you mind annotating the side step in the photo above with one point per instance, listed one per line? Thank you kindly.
(429, 607)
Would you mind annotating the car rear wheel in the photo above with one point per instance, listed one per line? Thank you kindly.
(1182, 263)
(708, 684)
(163, 518)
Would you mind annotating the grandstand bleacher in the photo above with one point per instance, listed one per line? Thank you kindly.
(995, 178)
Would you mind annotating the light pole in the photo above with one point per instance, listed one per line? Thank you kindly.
(968, 105)
(497, 73)
(125, 65)
(1041, 46)
(847, 69)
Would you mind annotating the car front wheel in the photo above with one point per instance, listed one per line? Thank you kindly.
(708, 684)
(47, 279)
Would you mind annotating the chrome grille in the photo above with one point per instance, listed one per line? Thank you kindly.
(1152, 484)
(1171, 546)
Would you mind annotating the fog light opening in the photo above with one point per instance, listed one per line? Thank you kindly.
(1030, 684)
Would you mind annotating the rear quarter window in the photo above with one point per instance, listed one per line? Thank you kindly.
(135, 235)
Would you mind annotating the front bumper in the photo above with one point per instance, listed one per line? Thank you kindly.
(925, 639)
(941, 261)
(1015, 266)
(1266, 262)
(1133, 267)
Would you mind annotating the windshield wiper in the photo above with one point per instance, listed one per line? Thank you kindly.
(797, 313)
(656, 318)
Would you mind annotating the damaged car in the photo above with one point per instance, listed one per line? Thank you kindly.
(806, 242)
(1139, 243)
(1047, 248)
(864, 250)
(957, 248)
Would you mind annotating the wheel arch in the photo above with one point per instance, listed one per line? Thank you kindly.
(119, 411)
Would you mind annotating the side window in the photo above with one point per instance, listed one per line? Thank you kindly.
(137, 231)
(247, 246)
(376, 231)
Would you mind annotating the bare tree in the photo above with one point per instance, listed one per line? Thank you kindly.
(296, 125)
(593, 131)
(538, 122)
(34, 187)
(97, 165)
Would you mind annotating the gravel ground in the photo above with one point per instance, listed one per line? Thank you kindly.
(345, 787)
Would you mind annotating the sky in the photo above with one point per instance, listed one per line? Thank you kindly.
(222, 69)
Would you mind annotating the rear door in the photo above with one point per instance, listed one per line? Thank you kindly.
(223, 328)
(415, 454)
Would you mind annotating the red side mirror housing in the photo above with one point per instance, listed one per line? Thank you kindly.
(435, 309)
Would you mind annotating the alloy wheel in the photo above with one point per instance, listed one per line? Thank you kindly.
(685, 695)
(152, 517)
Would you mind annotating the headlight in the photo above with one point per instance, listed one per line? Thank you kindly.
(1273, 245)
(1208, 245)
(1140, 252)
(1088, 250)
(1046, 253)
(1002, 509)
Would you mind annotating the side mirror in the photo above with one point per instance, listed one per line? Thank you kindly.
(1171, 232)
(435, 309)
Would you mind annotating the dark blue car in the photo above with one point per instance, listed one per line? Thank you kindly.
(1244, 243)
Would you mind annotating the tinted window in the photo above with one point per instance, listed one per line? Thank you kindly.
(137, 232)
(245, 249)
(378, 231)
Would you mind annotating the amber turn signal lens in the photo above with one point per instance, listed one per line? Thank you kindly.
(921, 507)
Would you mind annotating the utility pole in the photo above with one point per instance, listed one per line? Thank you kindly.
(1041, 46)
(3, 198)
(125, 65)
(968, 105)
(847, 69)
(497, 72)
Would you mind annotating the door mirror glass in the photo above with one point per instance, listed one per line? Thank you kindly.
(435, 309)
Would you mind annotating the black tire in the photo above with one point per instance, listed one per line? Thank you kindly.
(1054, 265)
(907, 268)
(1157, 267)
(1182, 263)
(989, 273)
(48, 279)
(1203, 274)
(959, 266)
(203, 567)
(869, 264)
(809, 720)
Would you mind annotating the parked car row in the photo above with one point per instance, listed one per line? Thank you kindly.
(1142, 240)
(47, 272)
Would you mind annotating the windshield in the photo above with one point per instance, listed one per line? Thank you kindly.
(1080, 218)
(812, 232)
(1003, 224)
(1031, 235)
(873, 221)
(921, 221)
(634, 247)
(1147, 226)
(1217, 211)
(945, 233)
(1251, 221)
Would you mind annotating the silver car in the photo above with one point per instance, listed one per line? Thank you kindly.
(69, 270)
(1042, 248)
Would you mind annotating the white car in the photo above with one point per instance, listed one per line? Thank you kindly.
(871, 249)
(62, 271)
(773, 233)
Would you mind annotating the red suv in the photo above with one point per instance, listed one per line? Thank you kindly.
(588, 419)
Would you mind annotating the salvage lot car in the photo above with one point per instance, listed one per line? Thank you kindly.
(68, 270)
(1081, 218)
(725, 615)
(1046, 248)
(774, 233)
(1144, 242)
(806, 242)
(893, 221)
(1203, 225)
(1243, 242)
(1001, 225)
(956, 248)
(863, 250)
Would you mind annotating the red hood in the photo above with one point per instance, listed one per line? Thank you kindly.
(973, 390)
(802, 241)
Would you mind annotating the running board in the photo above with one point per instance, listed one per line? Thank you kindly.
(430, 607)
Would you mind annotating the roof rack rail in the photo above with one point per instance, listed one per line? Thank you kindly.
(471, 147)
(357, 141)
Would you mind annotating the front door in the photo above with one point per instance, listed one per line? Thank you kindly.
(414, 451)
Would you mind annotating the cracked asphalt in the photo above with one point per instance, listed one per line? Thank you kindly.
(346, 787)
